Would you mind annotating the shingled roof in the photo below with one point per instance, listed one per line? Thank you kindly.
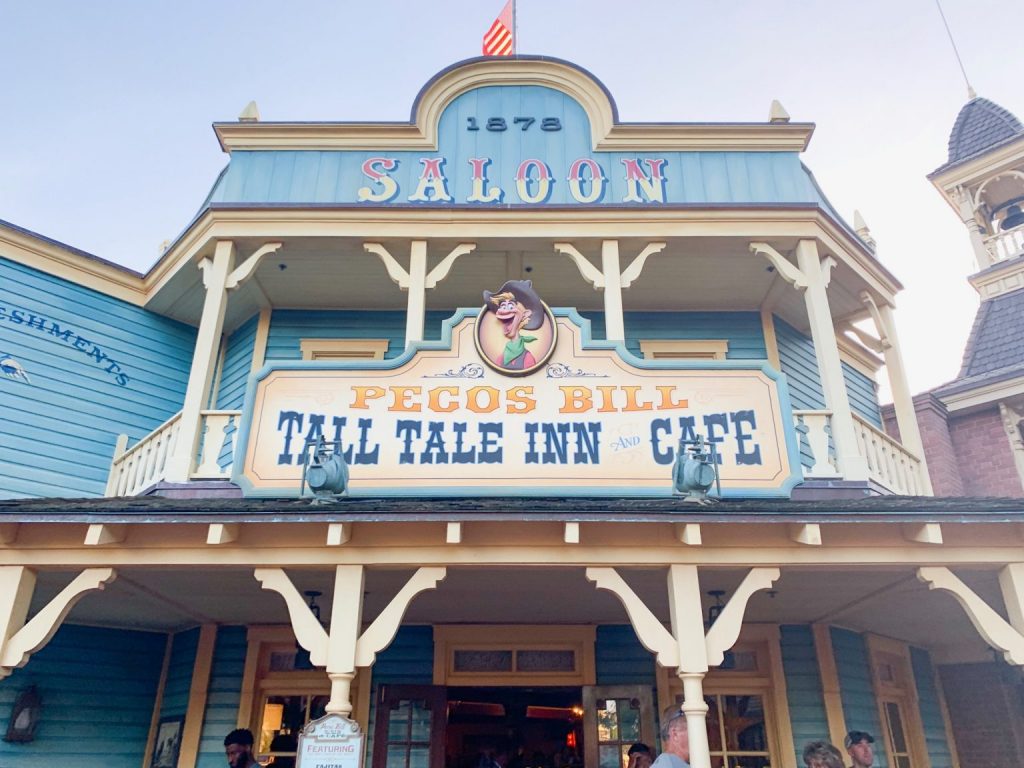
(997, 337)
(981, 125)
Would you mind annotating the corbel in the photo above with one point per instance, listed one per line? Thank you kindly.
(338, 534)
(222, 533)
(883, 333)
(590, 273)
(689, 533)
(395, 270)
(8, 533)
(21, 639)
(571, 534)
(245, 270)
(440, 272)
(995, 630)
(651, 633)
(99, 534)
(806, 533)
(871, 342)
(632, 272)
(382, 631)
(923, 533)
(453, 533)
(726, 630)
(828, 263)
(787, 271)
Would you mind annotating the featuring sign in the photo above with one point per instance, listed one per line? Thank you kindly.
(332, 741)
(592, 420)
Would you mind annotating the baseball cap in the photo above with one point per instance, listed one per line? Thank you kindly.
(856, 737)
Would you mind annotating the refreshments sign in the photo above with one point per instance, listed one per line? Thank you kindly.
(496, 409)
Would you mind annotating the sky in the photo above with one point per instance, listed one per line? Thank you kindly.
(106, 144)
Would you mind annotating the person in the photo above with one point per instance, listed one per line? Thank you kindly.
(858, 747)
(238, 748)
(639, 756)
(821, 754)
(675, 740)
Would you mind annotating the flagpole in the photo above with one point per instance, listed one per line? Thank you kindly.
(515, 30)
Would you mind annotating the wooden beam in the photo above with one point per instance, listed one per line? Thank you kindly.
(99, 534)
(198, 694)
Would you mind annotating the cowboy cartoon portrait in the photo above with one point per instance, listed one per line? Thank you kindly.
(515, 330)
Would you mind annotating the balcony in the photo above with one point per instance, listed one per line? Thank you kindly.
(1003, 246)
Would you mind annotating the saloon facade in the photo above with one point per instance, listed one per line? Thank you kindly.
(506, 313)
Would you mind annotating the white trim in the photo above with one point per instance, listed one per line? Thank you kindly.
(343, 349)
(687, 349)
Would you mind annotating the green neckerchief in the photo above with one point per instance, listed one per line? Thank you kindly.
(516, 347)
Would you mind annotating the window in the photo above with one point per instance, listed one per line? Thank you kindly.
(893, 678)
(685, 349)
(895, 735)
(737, 731)
(343, 349)
(283, 717)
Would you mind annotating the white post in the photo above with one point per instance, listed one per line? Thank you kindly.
(204, 361)
(903, 402)
(614, 325)
(1011, 582)
(688, 630)
(966, 205)
(346, 618)
(852, 465)
(417, 292)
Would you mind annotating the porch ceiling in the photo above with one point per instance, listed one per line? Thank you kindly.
(886, 601)
(690, 274)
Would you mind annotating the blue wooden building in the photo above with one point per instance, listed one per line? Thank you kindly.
(506, 314)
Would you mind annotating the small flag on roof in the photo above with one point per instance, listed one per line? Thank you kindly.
(500, 38)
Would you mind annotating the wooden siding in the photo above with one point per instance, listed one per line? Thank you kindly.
(44, 453)
(860, 708)
(741, 329)
(237, 366)
(409, 660)
(288, 326)
(796, 356)
(224, 695)
(621, 659)
(863, 394)
(97, 687)
(803, 686)
(931, 710)
(179, 674)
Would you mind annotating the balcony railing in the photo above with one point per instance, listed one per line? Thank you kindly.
(890, 465)
(135, 469)
(1005, 245)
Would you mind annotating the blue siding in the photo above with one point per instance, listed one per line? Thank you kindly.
(409, 659)
(224, 695)
(931, 711)
(179, 674)
(67, 338)
(799, 363)
(621, 659)
(859, 706)
(98, 687)
(741, 329)
(289, 326)
(237, 364)
(803, 686)
(863, 394)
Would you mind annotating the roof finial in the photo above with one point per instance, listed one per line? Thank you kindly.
(970, 90)
(863, 231)
(251, 113)
(777, 113)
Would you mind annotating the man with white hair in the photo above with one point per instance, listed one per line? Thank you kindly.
(675, 740)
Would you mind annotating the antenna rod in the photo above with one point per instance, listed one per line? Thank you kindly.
(515, 29)
(970, 91)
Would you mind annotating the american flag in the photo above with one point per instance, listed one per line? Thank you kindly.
(500, 39)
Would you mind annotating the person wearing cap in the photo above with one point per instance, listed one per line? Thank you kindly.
(675, 740)
(858, 747)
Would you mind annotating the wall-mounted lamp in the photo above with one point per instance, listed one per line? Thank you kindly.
(25, 716)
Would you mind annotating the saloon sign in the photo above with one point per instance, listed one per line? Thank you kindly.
(586, 418)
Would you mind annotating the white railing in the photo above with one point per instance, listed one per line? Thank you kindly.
(144, 464)
(1005, 245)
(889, 464)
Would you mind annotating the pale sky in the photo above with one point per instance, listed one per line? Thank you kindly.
(106, 145)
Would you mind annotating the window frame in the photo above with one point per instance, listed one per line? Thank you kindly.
(343, 349)
(684, 349)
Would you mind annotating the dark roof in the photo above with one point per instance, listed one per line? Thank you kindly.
(980, 126)
(155, 509)
(997, 336)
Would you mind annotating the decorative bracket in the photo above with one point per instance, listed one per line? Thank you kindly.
(883, 333)
(871, 342)
(395, 270)
(783, 266)
(632, 272)
(827, 265)
(382, 631)
(315, 639)
(590, 273)
(38, 631)
(246, 269)
(726, 630)
(440, 272)
(996, 631)
(649, 630)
